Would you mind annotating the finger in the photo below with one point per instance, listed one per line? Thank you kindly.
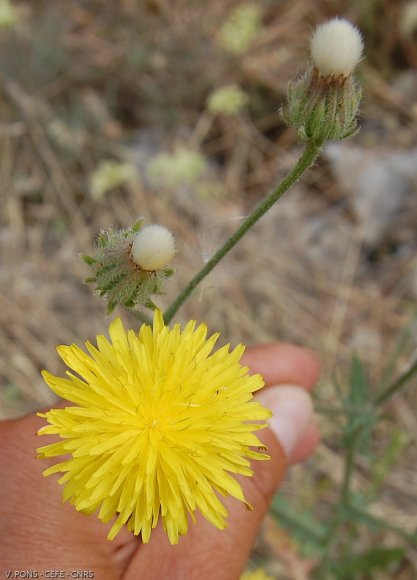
(37, 529)
(281, 363)
(222, 554)
(307, 445)
(292, 417)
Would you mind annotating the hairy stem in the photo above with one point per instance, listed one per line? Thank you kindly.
(308, 157)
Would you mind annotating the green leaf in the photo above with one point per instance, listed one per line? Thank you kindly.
(303, 525)
(358, 428)
(357, 514)
(384, 463)
(358, 383)
(366, 562)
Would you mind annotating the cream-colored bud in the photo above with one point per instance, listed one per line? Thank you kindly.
(153, 247)
(336, 48)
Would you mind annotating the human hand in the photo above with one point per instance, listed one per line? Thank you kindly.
(40, 534)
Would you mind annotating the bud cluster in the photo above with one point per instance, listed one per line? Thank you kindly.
(323, 104)
(129, 265)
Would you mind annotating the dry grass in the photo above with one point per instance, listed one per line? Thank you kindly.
(83, 82)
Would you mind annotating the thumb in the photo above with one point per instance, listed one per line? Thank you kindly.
(292, 421)
(285, 439)
(292, 412)
(208, 553)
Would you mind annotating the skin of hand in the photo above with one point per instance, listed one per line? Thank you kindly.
(40, 533)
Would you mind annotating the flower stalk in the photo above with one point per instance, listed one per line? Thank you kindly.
(309, 155)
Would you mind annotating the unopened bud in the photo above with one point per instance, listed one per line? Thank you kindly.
(153, 248)
(117, 272)
(323, 104)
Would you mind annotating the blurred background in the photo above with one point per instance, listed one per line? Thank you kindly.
(170, 110)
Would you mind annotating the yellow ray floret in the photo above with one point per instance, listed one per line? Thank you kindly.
(258, 574)
(159, 425)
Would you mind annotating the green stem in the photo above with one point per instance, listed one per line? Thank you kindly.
(308, 157)
(349, 466)
(396, 385)
(349, 463)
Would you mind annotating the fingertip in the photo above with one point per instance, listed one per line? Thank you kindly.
(281, 363)
(292, 413)
(307, 445)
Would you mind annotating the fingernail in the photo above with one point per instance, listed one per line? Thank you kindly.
(292, 412)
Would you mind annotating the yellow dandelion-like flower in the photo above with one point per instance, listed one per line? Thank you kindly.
(160, 423)
(258, 574)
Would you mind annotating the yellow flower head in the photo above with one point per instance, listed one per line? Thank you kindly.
(258, 574)
(159, 425)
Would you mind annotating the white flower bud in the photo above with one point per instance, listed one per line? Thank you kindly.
(336, 48)
(153, 247)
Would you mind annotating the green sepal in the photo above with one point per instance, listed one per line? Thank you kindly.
(110, 307)
(116, 277)
(89, 260)
(137, 225)
(102, 240)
